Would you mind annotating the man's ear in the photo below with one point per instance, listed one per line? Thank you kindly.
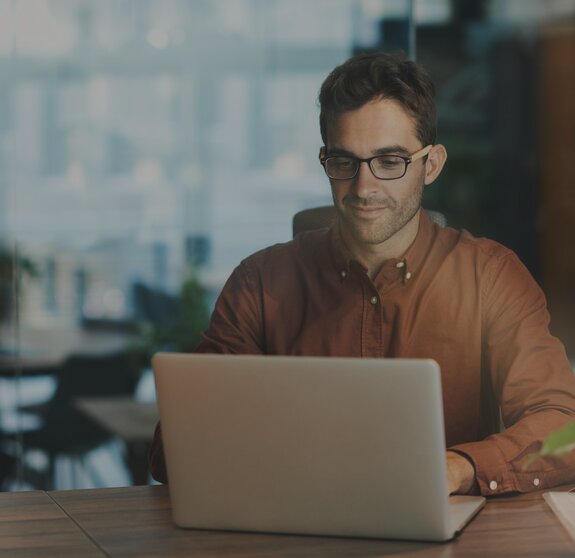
(322, 152)
(435, 160)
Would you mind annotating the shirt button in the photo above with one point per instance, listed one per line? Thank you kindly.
(343, 273)
(399, 264)
(536, 482)
(373, 300)
(493, 485)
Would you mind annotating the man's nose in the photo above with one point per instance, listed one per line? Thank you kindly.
(365, 184)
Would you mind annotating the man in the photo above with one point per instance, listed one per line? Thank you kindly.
(384, 281)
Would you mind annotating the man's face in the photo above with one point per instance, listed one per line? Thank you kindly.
(373, 210)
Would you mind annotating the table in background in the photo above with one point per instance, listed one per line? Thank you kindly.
(130, 420)
(38, 351)
(136, 521)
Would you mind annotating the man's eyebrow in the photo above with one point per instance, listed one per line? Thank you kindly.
(335, 151)
(392, 149)
(387, 150)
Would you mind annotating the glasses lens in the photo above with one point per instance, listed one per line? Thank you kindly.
(388, 167)
(341, 167)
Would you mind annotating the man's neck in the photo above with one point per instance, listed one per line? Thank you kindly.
(374, 256)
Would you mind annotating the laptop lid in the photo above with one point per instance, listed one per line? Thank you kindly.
(307, 445)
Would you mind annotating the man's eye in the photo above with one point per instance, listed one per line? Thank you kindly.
(343, 163)
(388, 162)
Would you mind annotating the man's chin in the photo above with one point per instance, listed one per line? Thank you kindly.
(365, 234)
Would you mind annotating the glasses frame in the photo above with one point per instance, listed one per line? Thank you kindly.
(407, 160)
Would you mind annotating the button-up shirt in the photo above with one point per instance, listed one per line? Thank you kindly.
(469, 303)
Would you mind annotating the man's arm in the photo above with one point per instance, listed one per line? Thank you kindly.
(235, 327)
(531, 378)
(236, 324)
(156, 461)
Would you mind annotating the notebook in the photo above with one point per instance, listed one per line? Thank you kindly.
(307, 445)
(563, 504)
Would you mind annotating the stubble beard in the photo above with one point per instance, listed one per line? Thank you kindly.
(394, 217)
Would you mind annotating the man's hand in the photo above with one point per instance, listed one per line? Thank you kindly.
(460, 473)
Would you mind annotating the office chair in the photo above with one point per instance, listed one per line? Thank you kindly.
(65, 430)
(154, 306)
(323, 216)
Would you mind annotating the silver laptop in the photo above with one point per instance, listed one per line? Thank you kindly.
(307, 445)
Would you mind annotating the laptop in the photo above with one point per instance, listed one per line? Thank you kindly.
(307, 445)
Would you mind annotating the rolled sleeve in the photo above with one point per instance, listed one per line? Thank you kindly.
(531, 378)
(499, 461)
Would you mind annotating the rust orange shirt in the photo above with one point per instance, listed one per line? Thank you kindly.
(467, 302)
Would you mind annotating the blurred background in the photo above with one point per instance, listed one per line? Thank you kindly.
(147, 146)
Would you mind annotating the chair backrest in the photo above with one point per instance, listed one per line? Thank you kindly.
(313, 218)
(96, 376)
(155, 306)
(323, 216)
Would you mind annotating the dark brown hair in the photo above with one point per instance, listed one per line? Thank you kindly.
(367, 77)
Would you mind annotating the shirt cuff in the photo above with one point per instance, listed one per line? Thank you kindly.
(494, 474)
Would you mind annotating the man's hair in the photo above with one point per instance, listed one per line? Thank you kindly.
(367, 77)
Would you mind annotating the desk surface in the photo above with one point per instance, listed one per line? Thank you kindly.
(136, 521)
(32, 524)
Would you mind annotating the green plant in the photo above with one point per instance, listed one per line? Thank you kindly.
(556, 444)
(182, 331)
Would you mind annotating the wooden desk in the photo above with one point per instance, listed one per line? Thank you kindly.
(136, 521)
(32, 524)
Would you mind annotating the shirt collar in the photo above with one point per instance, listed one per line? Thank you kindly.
(404, 267)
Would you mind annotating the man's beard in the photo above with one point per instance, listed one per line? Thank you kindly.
(376, 231)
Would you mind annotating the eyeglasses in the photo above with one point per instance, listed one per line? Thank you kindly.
(384, 167)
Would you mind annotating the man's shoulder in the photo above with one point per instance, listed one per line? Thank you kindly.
(463, 242)
(466, 260)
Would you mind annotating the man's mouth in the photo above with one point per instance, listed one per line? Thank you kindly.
(366, 210)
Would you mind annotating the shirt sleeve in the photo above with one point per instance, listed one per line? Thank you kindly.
(531, 379)
(156, 461)
(236, 326)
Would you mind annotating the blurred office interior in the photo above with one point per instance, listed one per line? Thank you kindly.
(147, 146)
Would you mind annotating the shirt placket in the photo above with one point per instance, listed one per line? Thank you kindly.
(372, 342)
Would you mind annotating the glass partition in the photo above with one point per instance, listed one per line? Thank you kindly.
(147, 146)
